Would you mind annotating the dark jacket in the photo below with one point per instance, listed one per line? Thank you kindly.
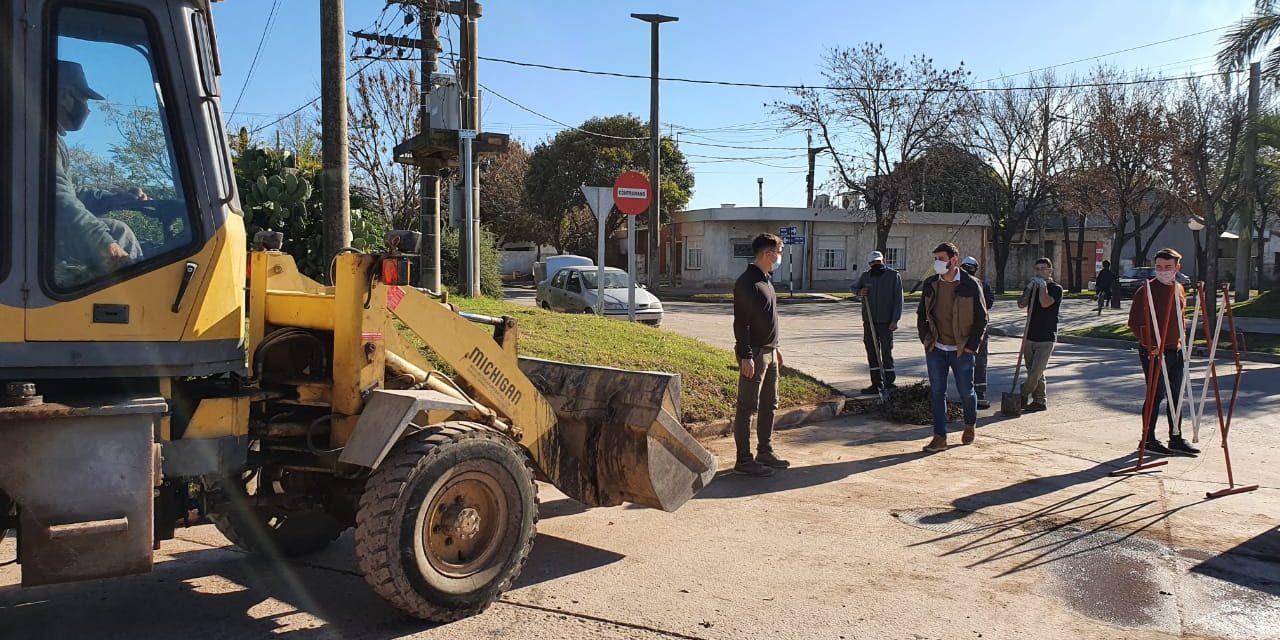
(988, 294)
(969, 317)
(755, 313)
(1105, 280)
(885, 300)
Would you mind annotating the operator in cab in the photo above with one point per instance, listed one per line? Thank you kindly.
(96, 246)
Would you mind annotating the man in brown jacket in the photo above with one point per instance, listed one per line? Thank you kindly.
(951, 320)
(1165, 296)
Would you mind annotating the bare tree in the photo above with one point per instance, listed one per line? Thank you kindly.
(1026, 134)
(1208, 120)
(876, 114)
(383, 111)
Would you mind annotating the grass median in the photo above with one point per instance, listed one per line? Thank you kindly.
(1255, 342)
(709, 379)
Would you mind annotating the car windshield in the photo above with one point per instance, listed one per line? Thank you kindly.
(612, 279)
(1141, 272)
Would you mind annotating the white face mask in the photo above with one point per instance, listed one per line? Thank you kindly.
(1166, 277)
(940, 266)
(777, 262)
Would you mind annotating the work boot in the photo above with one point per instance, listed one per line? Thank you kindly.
(768, 459)
(1034, 407)
(983, 403)
(891, 386)
(873, 389)
(938, 443)
(752, 468)
(968, 435)
(1154, 446)
(1181, 447)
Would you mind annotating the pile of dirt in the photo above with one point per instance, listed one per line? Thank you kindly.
(908, 404)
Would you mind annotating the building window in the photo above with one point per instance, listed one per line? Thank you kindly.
(831, 253)
(693, 255)
(742, 248)
(895, 254)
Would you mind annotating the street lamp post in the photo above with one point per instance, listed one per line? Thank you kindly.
(1196, 225)
(655, 173)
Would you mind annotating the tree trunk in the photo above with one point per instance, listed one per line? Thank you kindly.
(1261, 247)
(1211, 257)
(1081, 257)
(1118, 239)
(1073, 266)
(1001, 250)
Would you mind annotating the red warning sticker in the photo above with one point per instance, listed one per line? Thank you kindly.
(394, 296)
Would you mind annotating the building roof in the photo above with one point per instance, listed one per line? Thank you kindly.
(826, 214)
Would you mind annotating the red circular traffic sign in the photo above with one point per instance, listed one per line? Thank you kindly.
(631, 193)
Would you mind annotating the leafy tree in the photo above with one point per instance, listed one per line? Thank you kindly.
(948, 178)
(506, 214)
(1251, 36)
(880, 113)
(595, 154)
(490, 263)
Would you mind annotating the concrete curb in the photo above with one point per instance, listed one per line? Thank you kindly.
(783, 420)
(782, 299)
(1129, 345)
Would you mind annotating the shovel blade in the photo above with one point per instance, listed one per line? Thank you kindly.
(1011, 404)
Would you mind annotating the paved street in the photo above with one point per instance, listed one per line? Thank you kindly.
(1021, 535)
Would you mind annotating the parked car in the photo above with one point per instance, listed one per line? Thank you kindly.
(1131, 279)
(573, 290)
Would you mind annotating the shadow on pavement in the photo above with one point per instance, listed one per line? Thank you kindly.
(223, 593)
(730, 484)
(1254, 563)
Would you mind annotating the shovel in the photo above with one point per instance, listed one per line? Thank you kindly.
(875, 341)
(1011, 402)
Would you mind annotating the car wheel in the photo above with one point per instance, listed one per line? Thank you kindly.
(546, 306)
(589, 310)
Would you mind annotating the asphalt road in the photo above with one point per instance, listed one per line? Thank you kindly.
(1021, 535)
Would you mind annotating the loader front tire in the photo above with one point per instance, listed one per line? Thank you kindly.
(446, 523)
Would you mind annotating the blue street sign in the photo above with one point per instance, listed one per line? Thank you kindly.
(793, 240)
(787, 231)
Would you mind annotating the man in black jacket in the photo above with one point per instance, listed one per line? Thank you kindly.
(970, 266)
(880, 289)
(951, 320)
(1104, 282)
(755, 335)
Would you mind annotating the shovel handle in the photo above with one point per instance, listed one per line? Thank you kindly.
(1017, 369)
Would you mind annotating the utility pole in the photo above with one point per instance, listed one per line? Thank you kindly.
(760, 188)
(428, 177)
(1244, 246)
(469, 233)
(333, 128)
(655, 171)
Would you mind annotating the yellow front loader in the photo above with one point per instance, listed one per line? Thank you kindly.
(156, 371)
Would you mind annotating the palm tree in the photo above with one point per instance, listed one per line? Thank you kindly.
(1249, 37)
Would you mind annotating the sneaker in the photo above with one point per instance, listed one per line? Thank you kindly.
(1154, 446)
(938, 443)
(1180, 446)
(871, 390)
(768, 459)
(968, 435)
(983, 403)
(1034, 407)
(752, 468)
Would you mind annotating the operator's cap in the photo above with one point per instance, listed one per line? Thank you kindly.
(71, 76)
(969, 261)
(875, 256)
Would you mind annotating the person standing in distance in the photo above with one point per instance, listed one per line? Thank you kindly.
(755, 336)
(970, 266)
(1164, 287)
(880, 289)
(1044, 296)
(1103, 283)
(951, 320)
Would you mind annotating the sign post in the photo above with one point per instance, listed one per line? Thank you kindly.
(601, 201)
(632, 194)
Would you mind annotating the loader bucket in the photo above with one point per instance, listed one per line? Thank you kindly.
(618, 436)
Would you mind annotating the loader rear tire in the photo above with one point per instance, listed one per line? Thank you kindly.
(273, 534)
(447, 521)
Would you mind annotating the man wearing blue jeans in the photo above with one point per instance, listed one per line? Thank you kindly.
(951, 320)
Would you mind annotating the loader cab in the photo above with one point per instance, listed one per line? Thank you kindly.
(122, 249)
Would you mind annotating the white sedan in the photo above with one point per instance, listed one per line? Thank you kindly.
(573, 290)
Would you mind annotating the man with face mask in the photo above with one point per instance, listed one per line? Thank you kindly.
(970, 266)
(1165, 294)
(881, 291)
(1044, 296)
(951, 320)
(98, 245)
(755, 335)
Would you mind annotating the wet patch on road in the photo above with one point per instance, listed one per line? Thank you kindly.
(1116, 576)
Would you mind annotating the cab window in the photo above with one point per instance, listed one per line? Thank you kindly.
(575, 283)
(558, 281)
(116, 202)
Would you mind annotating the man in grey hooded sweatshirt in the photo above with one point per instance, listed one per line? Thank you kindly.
(880, 290)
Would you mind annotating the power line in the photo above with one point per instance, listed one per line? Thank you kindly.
(1108, 54)
(547, 117)
(266, 31)
(762, 85)
(310, 102)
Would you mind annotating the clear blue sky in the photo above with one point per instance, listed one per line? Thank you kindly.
(739, 40)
